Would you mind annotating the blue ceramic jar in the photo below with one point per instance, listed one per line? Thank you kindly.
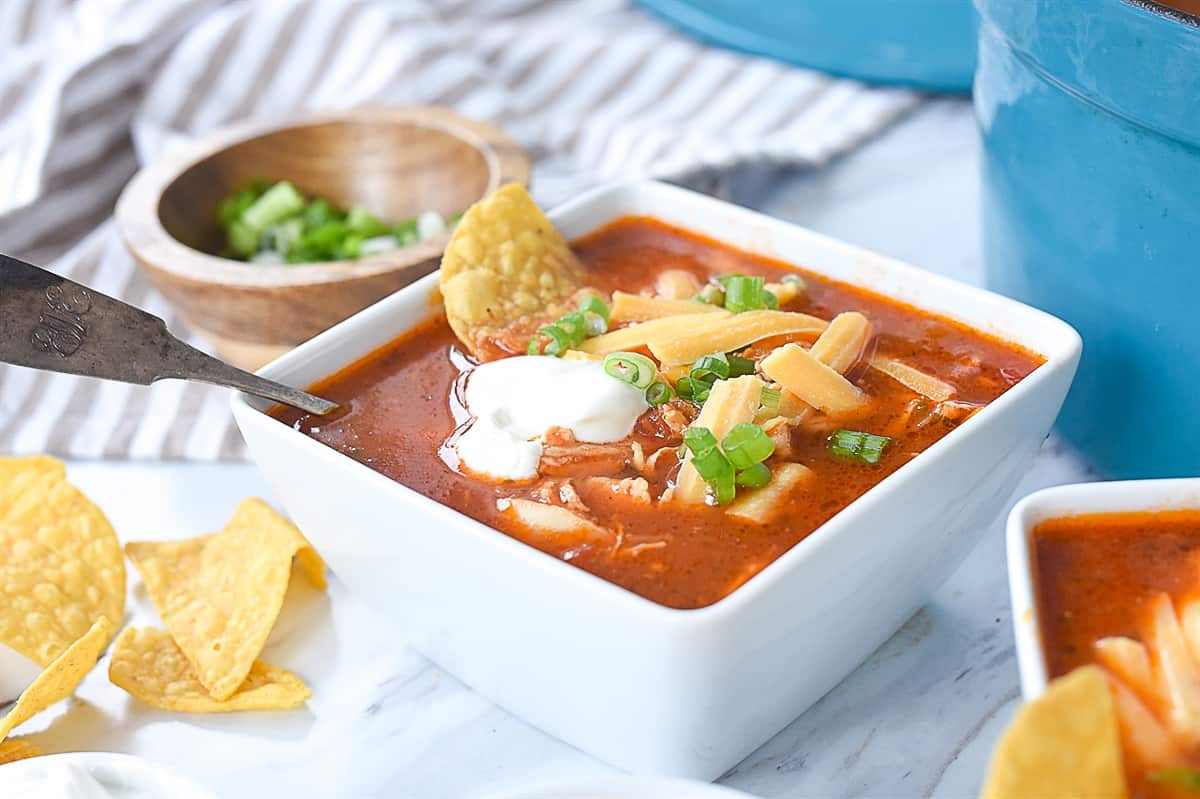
(1090, 114)
(924, 43)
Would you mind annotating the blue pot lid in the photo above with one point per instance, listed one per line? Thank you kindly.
(928, 44)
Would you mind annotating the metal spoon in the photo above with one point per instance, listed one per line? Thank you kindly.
(51, 323)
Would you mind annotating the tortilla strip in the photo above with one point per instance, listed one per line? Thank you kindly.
(730, 403)
(818, 385)
(696, 335)
(636, 308)
(764, 504)
(914, 379)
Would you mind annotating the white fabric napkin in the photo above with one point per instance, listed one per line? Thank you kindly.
(594, 89)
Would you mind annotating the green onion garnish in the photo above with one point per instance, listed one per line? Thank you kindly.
(275, 205)
(561, 342)
(770, 398)
(770, 300)
(630, 367)
(739, 366)
(712, 295)
(710, 368)
(659, 392)
(747, 444)
(1178, 776)
(683, 387)
(744, 293)
(595, 312)
(593, 304)
(756, 476)
(575, 326)
(699, 440)
(853, 445)
(534, 347)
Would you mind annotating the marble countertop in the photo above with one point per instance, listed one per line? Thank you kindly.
(916, 720)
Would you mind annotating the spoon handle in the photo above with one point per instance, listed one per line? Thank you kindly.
(48, 322)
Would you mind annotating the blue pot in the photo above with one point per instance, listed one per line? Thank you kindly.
(925, 43)
(1090, 114)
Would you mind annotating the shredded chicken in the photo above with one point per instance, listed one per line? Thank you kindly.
(560, 493)
(638, 549)
(562, 454)
(635, 488)
(781, 434)
(667, 422)
(660, 463)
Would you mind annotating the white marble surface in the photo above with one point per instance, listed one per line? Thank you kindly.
(917, 720)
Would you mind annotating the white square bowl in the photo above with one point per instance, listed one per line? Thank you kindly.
(1078, 499)
(647, 688)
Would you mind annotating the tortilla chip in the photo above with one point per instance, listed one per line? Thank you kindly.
(15, 749)
(1064, 744)
(148, 665)
(504, 264)
(60, 562)
(60, 678)
(220, 594)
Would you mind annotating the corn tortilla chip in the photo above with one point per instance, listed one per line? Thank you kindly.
(60, 678)
(1063, 745)
(149, 666)
(505, 263)
(15, 749)
(60, 562)
(220, 594)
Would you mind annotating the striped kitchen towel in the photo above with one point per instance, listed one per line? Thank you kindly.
(594, 89)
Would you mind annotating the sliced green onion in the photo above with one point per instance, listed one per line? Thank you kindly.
(699, 440)
(534, 347)
(711, 295)
(854, 445)
(770, 300)
(561, 342)
(575, 326)
(593, 304)
(739, 366)
(747, 444)
(683, 387)
(242, 239)
(770, 398)
(360, 220)
(275, 205)
(1178, 776)
(756, 476)
(700, 392)
(630, 367)
(659, 392)
(723, 487)
(744, 293)
(711, 367)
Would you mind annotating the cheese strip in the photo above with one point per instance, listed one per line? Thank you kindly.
(636, 308)
(555, 519)
(730, 403)
(840, 346)
(639, 335)
(914, 379)
(676, 284)
(764, 504)
(703, 334)
(799, 372)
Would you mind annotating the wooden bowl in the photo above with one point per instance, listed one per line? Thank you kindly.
(397, 162)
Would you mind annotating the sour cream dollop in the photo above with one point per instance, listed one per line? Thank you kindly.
(516, 400)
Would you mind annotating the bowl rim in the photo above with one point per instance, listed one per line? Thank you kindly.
(1059, 358)
(141, 228)
(1071, 499)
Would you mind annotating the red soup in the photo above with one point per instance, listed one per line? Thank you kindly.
(893, 380)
